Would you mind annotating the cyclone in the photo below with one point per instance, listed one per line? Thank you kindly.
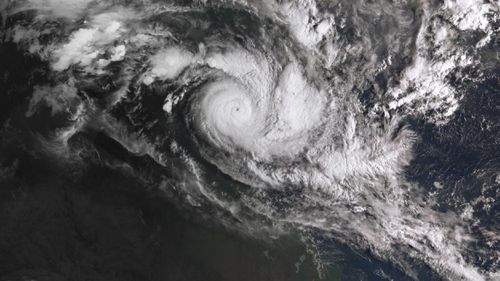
(356, 125)
(259, 111)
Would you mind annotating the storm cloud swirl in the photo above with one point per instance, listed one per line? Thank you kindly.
(279, 115)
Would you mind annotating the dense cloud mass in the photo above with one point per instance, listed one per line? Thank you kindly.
(368, 125)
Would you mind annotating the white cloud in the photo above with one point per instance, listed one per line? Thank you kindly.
(60, 98)
(86, 44)
(71, 9)
(169, 63)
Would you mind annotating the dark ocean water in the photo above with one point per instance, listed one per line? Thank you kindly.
(63, 220)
